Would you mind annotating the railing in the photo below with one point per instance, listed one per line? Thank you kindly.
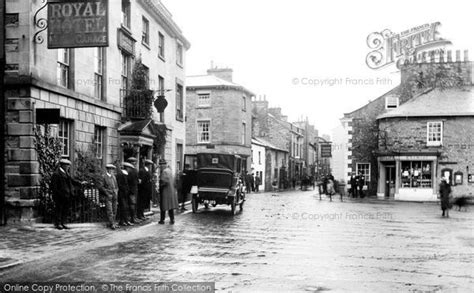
(84, 207)
(136, 104)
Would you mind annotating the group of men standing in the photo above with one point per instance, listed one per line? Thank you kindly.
(126, 192)
(357, 185)
(252, 182)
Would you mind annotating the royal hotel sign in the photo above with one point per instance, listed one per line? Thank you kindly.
(77, 23)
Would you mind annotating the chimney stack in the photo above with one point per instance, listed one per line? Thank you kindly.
(224, 73)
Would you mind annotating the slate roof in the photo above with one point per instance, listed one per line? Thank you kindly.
(436, 103)
(264, 143)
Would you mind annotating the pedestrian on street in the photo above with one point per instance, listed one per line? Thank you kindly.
(248, 187)
(108, 188)
(123, 197)
(145, 189)
(361, 183)
(132, 180)
(168, 199)
(185, 186)
(444, 191)
(62, 191)
(353, 182)
(325, 184)
(252, 182)
(330, 188)
(258, 181)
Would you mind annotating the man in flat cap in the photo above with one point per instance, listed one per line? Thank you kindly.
(168, 199)
(108, 188)
(62, 191)
(132, 180)
(145, 188)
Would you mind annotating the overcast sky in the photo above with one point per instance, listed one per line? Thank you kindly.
(274, 46)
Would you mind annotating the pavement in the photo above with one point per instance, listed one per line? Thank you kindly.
(288, 241)
(22, 243)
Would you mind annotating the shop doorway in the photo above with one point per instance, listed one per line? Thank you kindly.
(390, 181)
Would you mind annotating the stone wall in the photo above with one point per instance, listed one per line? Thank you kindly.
(22, 168)
(456, 152)
(226, 116)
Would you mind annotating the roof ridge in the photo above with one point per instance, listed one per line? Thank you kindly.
(383, 95)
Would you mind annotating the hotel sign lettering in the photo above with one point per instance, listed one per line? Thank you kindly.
(77, 23)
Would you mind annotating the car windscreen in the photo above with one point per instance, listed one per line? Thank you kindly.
(214, 179)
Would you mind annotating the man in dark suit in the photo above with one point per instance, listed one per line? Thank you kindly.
(123, 197)
(145, 189)
(108, 188)
(132, 180)
(361, 183)
(353, 182)
(62, 191)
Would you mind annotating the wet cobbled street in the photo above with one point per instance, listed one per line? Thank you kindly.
(291, 241)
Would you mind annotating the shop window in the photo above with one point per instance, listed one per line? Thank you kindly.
(416, 174)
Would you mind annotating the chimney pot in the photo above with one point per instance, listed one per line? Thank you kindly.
(466, 55)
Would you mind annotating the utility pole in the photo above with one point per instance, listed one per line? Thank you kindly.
(2, 112)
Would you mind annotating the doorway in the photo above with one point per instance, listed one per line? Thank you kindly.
(390, 181)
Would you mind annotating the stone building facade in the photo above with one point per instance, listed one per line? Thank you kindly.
(272, 126)
(309, 147)
(87, 85)
(426, 138)
(360, 128)
(219, 115)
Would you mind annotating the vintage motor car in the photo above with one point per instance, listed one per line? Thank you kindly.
(218, 181)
